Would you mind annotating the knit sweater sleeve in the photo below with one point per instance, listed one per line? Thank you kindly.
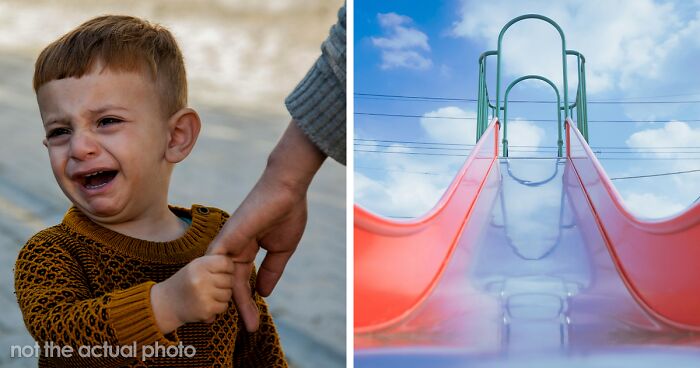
(58, 308)
(317, 104)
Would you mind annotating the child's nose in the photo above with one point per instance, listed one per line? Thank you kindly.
(83, 145)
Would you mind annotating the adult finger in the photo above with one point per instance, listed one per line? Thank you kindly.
(243, 297)
(228, 241)
(271, 270)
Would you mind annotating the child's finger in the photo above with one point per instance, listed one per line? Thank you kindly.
(243, 296)
(223, 281)
(219, 264)
(221, 295)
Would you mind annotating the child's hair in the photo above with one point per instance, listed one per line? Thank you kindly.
(120, 43)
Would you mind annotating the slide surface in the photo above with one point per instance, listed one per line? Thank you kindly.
(534, 257)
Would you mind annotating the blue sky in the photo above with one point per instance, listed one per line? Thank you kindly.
(636, 51)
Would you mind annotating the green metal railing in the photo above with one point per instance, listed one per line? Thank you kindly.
(484, 103)
(512, 84)
(581, 100)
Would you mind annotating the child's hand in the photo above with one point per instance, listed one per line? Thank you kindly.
(197, 293)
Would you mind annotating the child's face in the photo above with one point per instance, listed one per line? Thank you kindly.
(106, 137)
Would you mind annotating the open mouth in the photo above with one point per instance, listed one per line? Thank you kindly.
(98, 179)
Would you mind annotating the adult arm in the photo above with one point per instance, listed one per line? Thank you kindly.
(317, 104)
(273, 215)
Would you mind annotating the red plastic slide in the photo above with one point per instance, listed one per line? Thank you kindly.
(658, 260)
(524, 255)
(397, 263)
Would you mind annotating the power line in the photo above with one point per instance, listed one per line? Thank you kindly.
(412, 98)
(412, 147)
(643, 152)
(404, 171)
(464, 99)
(532, 120)
(459, 149)
(646, 147)
(414, 116)
(449, 149)
(414, 153)
(534, 149)
(643, 97)
(449, 174)
(647, 158)
(417, 142)
(472, 145)
(654, 175)
(599, 158)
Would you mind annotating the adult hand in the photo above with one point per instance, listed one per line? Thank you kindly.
(272, 217)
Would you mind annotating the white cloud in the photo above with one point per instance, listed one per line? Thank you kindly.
(392, 184)
(404, 59)
(524, 133)
(663, 196)
(673, 134)
(401, 37)
(389, 20)
(402, 185)
(398, 194)
(650, 205)
(450, 125)
(403, 46)
(622, 40)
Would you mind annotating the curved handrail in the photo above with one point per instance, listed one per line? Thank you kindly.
(512, 84)
(659, 260)
(563, 57)
(418, 249)
(580, 103)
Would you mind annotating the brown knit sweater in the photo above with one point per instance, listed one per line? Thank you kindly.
(80, 284)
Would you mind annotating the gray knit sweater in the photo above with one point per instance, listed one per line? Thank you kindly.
(317, 104)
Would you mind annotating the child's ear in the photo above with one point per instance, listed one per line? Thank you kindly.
(183, 130)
